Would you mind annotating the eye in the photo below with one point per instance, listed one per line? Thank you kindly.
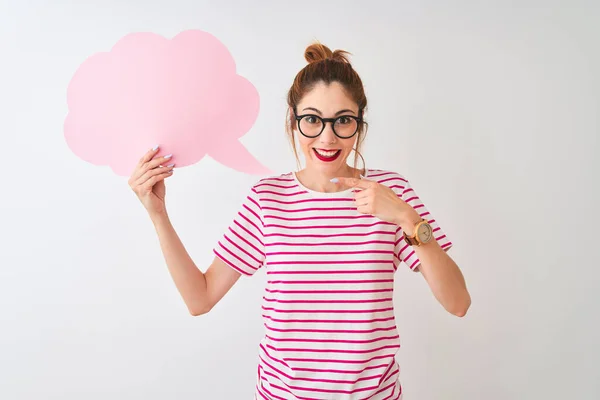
(344, 120)
(311, 119)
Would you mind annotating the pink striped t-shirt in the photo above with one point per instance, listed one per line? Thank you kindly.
(327, 307)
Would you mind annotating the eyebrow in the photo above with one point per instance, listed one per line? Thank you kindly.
(336, 114)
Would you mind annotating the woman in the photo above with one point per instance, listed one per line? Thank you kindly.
(331, 237)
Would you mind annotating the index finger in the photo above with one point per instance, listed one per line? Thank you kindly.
(148, 156)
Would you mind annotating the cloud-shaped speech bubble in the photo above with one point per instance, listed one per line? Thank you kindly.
(182, 93)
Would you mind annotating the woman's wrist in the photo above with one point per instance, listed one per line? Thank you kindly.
(407, 219)
(159, 218)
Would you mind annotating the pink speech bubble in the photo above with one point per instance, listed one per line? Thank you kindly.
(182, 94)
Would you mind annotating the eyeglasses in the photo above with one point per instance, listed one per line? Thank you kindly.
(344, 126)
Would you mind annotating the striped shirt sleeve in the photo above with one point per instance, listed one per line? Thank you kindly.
(242, 245)
(405, 252)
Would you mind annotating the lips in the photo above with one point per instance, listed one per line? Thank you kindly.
(327, 155)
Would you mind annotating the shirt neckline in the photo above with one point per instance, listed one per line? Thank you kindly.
(315, 193)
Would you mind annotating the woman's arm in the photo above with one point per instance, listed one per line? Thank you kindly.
(441, 272)
(200, 291)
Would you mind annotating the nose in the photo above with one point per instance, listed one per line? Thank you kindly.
(327, 136)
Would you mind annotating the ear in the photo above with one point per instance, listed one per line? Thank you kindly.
(292, 117)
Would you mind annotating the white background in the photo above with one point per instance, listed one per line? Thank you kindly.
(490, 108)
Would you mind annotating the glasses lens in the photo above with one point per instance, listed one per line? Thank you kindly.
(345, 126)
(311, 125)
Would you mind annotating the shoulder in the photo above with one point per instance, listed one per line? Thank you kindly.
(285, 180)
(394, 180)
(274, 185)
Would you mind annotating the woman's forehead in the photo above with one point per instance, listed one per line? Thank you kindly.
(327, 98)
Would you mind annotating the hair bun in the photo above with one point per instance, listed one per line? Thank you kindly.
(318, 52)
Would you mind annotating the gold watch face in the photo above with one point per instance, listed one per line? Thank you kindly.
(424, 233)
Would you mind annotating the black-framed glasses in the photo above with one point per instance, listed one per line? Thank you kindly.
(344, 126)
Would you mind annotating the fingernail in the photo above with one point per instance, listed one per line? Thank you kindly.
(362, 176)
(170, 165)
(155, 148)
(169, 156)
(335, 180)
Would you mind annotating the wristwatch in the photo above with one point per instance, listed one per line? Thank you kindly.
(422, 234)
